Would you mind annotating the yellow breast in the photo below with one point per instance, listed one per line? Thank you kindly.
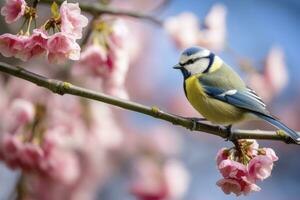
(212, 109)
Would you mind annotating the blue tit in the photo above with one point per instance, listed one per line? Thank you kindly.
(217, 92)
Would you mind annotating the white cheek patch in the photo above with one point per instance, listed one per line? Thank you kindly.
(198, 67)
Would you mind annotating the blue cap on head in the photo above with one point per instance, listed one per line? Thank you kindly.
(192, 50)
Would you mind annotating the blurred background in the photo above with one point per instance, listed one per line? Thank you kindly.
(157, 158)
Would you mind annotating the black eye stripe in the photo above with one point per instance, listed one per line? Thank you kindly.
(191, 61)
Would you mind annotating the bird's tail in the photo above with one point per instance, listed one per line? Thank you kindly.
(293, 134)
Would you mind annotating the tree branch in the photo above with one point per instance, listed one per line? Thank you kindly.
(62, 88)
(98, 9)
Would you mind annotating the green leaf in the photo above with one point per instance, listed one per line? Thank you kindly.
(54, 10)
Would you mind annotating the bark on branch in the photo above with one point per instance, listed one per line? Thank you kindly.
(98, 9)
(61, 87)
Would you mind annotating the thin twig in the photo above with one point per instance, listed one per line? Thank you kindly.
(98, 9)
(62, 88)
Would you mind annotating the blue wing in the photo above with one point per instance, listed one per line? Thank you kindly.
(248, 100)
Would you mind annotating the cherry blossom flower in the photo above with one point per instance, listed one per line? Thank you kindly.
(235, 178)
(230, 185)
(270, 153)
(106, 56)
(13, 45)
(115, 84)
(222, 155)
(183, 29)
(36, 43)
(19, 113)
(260, 167)
(9, 149)
(22, 111)
(253, 147)
(62, 47)
(213, 35)
(178, 186)
(23, 47)
(62, 166)
(275, 70)
(30, 156)
(13, 10)
(149, 183)
(274, 77)
(72, 22)
(242, 168)
(237, 187)
(115, 139)
(94, 61)
(232, 169)
(59, 46)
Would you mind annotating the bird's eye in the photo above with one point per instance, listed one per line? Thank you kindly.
(191, 61)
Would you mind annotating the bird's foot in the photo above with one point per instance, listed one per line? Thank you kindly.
(195, 120)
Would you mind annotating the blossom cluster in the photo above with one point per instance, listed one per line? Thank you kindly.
(57, 47)
(185, 30)
(274, 76)
(242, 166)
(32, 141)
(156, 165)
(50, 140)
(106, 56)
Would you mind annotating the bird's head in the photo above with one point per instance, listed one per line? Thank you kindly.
(195, 60)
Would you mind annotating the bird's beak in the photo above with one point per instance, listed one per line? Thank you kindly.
(177, 66)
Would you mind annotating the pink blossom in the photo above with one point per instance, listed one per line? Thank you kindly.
(179, 185)
(13, 10)
(275, 70)
(107, 57)
(149, 183)
(62, 47)
(62, 166)
(99, 127)
(237, 187)
(232, 169)
(250, 187)
(222, 155)
(22, 111)
(10, 147)
(253, 148)
(260, 167)
(36, 44)
(213, 36)
(30, 156)
(12, 45)
(23, 47)
(230, 186)
(115, 84)
(72, 22)
(271, 154)
(183, 29)
(94, 61)
(163, 140)
(274, 78)
(119, 34)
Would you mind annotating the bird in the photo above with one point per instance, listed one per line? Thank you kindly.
(219, 94)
